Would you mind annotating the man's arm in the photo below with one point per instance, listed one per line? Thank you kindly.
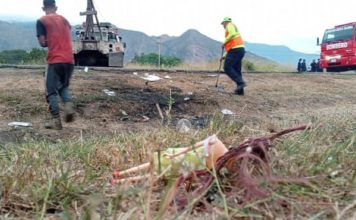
(41, 34)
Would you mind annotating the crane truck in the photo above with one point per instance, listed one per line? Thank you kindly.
(97, 43)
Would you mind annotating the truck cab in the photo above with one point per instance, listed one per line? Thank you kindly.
(104, 48)
(338, 48)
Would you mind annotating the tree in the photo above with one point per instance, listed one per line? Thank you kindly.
(152, 59)
(12, 56)
(35, 56)
(249, 66)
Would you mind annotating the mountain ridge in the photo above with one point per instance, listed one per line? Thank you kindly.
(191, 46)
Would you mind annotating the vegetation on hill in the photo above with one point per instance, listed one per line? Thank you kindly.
(154, 59)
(35, 56)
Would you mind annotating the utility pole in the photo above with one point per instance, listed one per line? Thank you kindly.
(159, 52)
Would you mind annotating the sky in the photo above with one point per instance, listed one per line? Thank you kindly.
(292, 23)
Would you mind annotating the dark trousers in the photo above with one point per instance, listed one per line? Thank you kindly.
(233, 63)
(57, 79)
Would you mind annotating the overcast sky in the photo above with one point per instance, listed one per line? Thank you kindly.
(294, 23)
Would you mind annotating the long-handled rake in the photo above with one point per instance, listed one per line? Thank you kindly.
(221, 59)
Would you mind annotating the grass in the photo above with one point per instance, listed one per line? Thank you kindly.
(70, 179)
(249, 65)
(21, 107)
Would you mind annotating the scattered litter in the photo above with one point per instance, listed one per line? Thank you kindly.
(221, 89)
(86, 69)
(245, 184)
(145, 118)
(150, 78)
(249, 150)
(135, 73)
(168, 77)
(175, 161)
(109, 93)
(188, 98)
(19, 124)
(212, 75)
(187, 163)
(334, 174)
(146, 74)
(184, 125)
(227, 112)
(124, 113)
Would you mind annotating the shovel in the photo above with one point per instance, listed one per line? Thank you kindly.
(221, 59)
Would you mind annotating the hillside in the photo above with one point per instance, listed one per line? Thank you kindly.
(192, 46)
(279, 53)
(17, 35)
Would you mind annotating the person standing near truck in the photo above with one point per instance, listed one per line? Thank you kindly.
(54, 32)
(234, 53)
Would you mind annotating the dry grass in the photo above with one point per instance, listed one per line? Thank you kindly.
(66, 175)
(71, 178)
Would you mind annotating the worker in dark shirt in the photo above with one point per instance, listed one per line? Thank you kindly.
(54, 32)
(313, 66)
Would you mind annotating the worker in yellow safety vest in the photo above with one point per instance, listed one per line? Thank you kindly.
(234, 52)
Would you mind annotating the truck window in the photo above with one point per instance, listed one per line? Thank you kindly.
(339, 34)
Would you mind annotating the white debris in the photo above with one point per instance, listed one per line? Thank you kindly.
(249, 149)
(167, 77)
(227, 112)
(145, 118)
(135, 73)
(151, 78)
(334, 174)
(19, 124)
(186, 99)
(109, 93)
(184, 125)
(190, 93)
(221, 89)
(86, 69)
(123, 112)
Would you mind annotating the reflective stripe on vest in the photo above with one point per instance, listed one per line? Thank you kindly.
(235, 42)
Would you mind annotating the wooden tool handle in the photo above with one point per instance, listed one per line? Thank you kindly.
(130, 179)
(118, 174)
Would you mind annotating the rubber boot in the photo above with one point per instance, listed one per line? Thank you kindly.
(54, 123)
(240, 89)
(68, 112)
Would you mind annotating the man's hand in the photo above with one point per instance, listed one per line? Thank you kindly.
(42, 41)
(222, 58)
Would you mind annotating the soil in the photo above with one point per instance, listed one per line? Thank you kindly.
(136, 104)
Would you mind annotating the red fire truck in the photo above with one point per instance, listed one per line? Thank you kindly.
(338, 48)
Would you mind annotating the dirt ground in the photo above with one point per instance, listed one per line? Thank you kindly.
(273, 97)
